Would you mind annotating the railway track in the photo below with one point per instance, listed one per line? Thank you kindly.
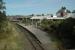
(35, 43)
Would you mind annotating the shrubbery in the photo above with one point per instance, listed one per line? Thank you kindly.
(62, 31)
(66, 33)
(3, 21)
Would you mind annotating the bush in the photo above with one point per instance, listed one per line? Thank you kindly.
(62, 31)
(66, 33)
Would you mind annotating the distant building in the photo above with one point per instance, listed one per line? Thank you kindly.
(15, 18)
(63, 12)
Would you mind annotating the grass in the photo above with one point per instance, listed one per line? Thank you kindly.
(12, 40)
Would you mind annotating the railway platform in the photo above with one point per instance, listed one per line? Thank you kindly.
(42, 36)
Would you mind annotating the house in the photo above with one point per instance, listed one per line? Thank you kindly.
(63, 12)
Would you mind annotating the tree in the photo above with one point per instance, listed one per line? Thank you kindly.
(68, 11)
(73, 11)
(32, 15)
(51, 15)
(63, 7)
(2, 9)
(2, 16)
(66, 33)
(2, 6)
(42, 14)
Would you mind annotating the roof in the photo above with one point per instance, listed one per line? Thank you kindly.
(63, 9)
(47, 17)
(37, 17)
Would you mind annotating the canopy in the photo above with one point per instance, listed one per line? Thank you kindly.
(46, 17)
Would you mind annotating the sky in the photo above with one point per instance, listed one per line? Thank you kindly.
(27, 7)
